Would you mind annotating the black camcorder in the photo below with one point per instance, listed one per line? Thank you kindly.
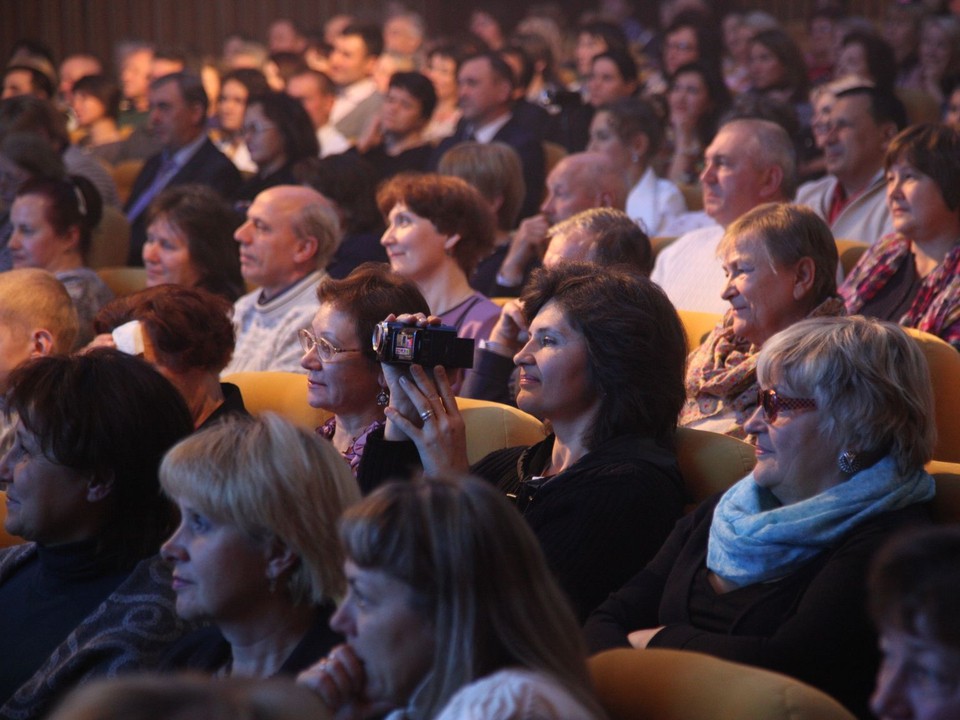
(400, 344)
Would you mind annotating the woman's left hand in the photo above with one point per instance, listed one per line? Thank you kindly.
(641, 638)
(441, 440)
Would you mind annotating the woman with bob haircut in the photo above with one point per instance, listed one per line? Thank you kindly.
(914, 586)
(53, 222)
(451, 612)
(256, 552)
(438, 229)
(88, 595)
(629, 133)
(343, 375)
(773, 572)
(781, 265)
(187, 335)
(604, 367)
(190, 241)
(236, 89)
(912, 276)
(96, 107)
(494, 169)
(697, 98)
(280, 137)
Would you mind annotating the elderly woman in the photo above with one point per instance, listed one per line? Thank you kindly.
(604, 366)
(256, 552)
(494, 169)
(190, 241)
(914, 585)
(629, 132)
(343, 375)
(913, 275)
(434, 565)
(781, 267)
(53, 223)
(438, 228)
(773, 572)
(187, 335)
(279, 136)
(88, 594)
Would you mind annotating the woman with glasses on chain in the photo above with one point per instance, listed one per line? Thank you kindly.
(343, 375)
(772, 572)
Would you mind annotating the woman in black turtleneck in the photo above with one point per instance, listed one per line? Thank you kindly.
(88, 595)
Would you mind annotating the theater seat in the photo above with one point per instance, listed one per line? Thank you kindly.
(946, 504)
(711, 462)
(697, 325)
(661, 684)
(944, 363)
(490, 426)
(6, 539)
(123, 280)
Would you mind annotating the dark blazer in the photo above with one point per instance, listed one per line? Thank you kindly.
(208, 166)
(526, 142)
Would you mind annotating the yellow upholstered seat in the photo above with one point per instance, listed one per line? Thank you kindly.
(490, 426)
(946, 505)
(697, 325)
(6, 539)
(944, 362)
(660, 684)
(850, 252)
(123, 280)
(711, 462)
(110, 241)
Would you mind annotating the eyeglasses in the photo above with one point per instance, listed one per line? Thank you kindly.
(772, 403)
(326, 350)
(256, 128)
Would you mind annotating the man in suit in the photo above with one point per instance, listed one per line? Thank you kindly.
(178, 111)
(485, 83)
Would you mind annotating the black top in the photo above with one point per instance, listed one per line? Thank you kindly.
(811, 625)
(206, 649)
(598, 522)
(45, 599)
(894, 299)
(386, 166)
(355, 249)
(232, 405)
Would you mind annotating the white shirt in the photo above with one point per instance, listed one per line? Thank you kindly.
(349, 97)
(332, 141)
(653, 202)
(690, 272)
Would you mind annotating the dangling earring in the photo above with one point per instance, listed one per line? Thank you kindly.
(850, 462)
(383, 397)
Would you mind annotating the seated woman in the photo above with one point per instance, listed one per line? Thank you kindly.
(912, 276)
(394, 142)
(438, 229)
(773, 572)
(280, 137)
(438, 564)
(96, 106)
(914, 585)
(190, 241)
(343, 375)
(256, 552)
(53, 223)
(236, 89)
(781, 266)
(604, 366)
(443, 62)
(88, 595)
(629, 133)
(187, 335)
(494, 169)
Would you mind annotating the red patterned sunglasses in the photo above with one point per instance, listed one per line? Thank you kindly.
(772, 403)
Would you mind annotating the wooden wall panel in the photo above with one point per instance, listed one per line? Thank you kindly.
(201, 25)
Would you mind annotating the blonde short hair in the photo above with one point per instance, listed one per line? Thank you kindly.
(869, 378)
(33, 298)
(270, 479)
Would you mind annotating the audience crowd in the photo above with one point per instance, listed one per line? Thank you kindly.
(572, 196)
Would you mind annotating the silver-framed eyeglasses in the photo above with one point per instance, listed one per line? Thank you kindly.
(326, 350)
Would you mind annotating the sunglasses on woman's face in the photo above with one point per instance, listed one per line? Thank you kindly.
(773, 402)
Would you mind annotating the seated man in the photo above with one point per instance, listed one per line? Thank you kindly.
(37, 318)
(913, 593)
(291, 233)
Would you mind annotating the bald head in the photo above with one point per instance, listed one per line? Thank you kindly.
(582, 181)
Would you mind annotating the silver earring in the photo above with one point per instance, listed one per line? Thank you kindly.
(850, 462)
(383, 397)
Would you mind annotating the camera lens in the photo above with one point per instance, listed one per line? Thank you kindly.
(377, 337)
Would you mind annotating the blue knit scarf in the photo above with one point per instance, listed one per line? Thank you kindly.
(753, 538)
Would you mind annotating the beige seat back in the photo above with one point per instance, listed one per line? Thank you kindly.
(944, 363)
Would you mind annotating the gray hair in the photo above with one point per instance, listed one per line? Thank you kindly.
(869, 379)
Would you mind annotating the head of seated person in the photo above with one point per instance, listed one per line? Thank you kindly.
(343, 374)
(278, 132)
(913, 588)
(186, 334)
(190, 241)
(781, 266)
(435, 563)
(256, 551)
(602, 235)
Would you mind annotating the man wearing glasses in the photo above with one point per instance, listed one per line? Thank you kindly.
(289, 236)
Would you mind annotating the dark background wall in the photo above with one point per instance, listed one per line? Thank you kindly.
(68, 26)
